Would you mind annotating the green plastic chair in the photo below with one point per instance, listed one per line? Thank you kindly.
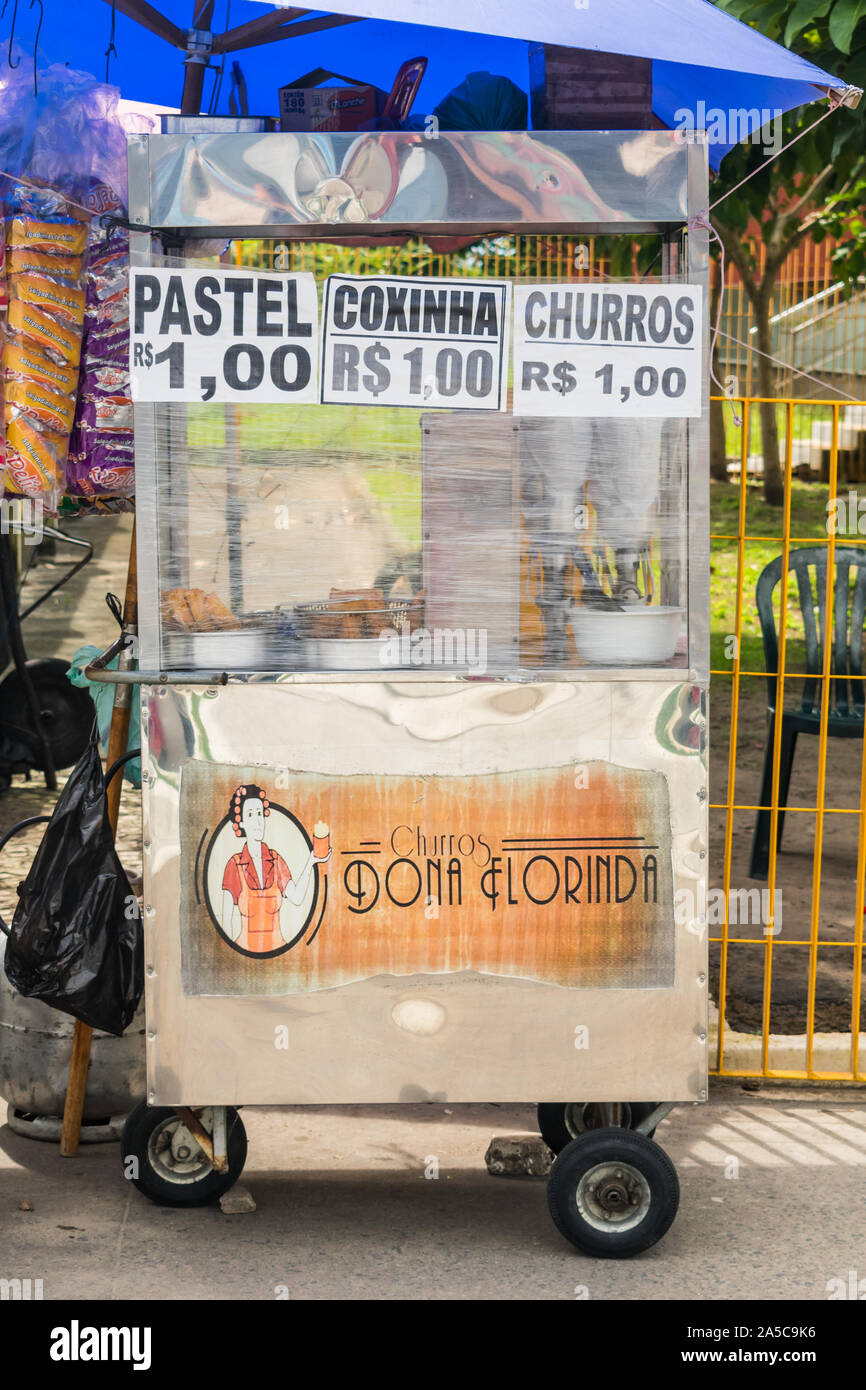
(845, 719)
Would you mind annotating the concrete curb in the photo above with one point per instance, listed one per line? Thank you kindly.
(831, 1052)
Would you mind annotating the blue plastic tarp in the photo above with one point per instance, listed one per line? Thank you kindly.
(703, 60)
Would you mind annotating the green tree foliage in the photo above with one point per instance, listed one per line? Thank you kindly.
(815, 188)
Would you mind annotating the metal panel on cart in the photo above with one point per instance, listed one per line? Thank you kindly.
(510, 912)
(449, 181)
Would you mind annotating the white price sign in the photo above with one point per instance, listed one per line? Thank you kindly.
(408, 340)
(223, 335)
(622, 350)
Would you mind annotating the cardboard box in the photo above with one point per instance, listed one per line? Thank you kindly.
(580, 89)
(307, 105)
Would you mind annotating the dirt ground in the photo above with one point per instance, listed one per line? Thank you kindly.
(78, 615)
(794, 875)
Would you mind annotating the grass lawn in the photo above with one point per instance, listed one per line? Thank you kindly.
(808, 524)
(354, 430)
(805, 415)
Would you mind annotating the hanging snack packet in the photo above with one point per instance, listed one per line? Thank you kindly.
(24, 359)
(25, 261)
(108, 414)
(101, 455)
(58, 236)
(42, 404)
(52, 297)
(54, 334)
(100, 465)
(45, 241)
(34, 458)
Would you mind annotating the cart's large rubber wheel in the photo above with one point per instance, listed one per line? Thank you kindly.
(167, 1163)
(67, 712)
(561, 1121)
(613, 1193)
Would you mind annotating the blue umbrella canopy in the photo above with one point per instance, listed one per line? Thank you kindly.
(702, 59)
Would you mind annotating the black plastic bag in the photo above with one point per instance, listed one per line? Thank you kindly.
(76, 940)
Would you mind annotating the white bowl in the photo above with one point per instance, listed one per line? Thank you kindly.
(241, 650)
(638, 635)
(346, 654)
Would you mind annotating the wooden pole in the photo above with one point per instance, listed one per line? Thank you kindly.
(79, 1060)
(193, 82)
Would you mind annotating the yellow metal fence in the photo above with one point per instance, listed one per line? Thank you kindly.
(788, 987)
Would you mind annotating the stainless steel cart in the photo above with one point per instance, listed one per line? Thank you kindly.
(415, 877)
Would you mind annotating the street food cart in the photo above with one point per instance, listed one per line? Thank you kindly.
(423, 645)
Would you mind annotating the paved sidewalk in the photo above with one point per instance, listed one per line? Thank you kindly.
(773, 1205)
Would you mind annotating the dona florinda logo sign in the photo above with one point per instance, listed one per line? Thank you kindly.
(77, 1343)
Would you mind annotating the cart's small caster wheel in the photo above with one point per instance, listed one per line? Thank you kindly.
(613, 1193)
(559, 1122)
(166, 1162)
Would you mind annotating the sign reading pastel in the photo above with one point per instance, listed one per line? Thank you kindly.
(223, 334)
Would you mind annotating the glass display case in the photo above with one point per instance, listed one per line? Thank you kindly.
(343, 537)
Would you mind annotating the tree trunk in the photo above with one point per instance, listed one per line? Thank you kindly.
(718, 453)
(774, 480)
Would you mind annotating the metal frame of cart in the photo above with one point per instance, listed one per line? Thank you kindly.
(612, 1190)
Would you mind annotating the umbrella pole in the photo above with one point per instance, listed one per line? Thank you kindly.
(193, 81)
(79, 1060)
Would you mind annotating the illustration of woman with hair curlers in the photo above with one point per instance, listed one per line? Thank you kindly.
(257, 882)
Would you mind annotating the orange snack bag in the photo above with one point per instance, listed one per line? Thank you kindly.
(34, 460)
(55, 334)
(25, 261)
(35, 399)
(60, 237)
(24, 359)
(62, 300)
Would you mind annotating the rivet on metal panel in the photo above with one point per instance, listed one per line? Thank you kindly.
(150, 972)
(702, 854)
(702, 794)
(210, 694)
(151, 1036)
(146, 846)
(145, 776)
(151, 1097)
(148, 910)
(702, 979)
(702, 1037)
(702, 1095)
